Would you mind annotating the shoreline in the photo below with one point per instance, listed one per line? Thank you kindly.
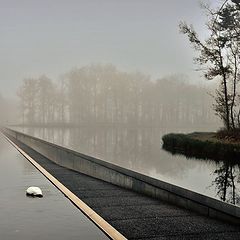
(202, 145)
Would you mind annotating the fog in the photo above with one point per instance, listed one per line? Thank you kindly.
(52, 37)
(9, 111)
(42, 38)
(108, 78)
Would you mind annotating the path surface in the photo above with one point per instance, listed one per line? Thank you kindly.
(25, 218)
(134, 215)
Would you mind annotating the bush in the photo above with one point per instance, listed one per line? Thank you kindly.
(232, 135)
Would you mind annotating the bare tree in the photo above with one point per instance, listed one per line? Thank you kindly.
(219, 54)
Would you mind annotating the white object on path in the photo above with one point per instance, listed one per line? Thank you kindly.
(34, 191)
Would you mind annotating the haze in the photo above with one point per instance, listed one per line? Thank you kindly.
(109, 78)
(51, 37)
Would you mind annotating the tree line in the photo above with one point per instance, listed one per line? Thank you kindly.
(101, 94)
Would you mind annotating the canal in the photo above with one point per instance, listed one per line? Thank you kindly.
(140, 149)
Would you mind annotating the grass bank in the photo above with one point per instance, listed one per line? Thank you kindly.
(204, 145)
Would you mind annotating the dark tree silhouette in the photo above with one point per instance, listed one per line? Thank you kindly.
(219, 54)
(227, 177)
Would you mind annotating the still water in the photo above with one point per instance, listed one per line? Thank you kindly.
(25, 218)
(140, 149)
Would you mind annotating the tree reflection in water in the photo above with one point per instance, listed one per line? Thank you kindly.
(227, 177)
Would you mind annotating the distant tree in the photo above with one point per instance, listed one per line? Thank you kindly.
(28, 100)
(45, 100)
(61, 101)
(219, 54)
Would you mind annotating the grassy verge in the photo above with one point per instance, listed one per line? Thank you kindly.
(202, 145)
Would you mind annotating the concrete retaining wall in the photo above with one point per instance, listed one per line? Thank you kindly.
(129, 179)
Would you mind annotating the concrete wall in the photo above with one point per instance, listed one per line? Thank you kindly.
(130, 179)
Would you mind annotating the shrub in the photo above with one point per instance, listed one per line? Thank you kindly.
(190, 147)
(229, 135)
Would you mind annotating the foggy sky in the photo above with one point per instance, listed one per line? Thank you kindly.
(51, 37)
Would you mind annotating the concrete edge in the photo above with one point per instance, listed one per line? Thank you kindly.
(90, 213)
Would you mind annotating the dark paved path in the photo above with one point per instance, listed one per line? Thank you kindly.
(134, 215)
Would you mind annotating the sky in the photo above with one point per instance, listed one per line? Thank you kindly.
(52, 37)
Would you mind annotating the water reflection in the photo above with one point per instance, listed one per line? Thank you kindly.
(140, 150)
(226, 182)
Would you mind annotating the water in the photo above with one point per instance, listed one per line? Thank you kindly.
(140, 149)
(51, 217)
